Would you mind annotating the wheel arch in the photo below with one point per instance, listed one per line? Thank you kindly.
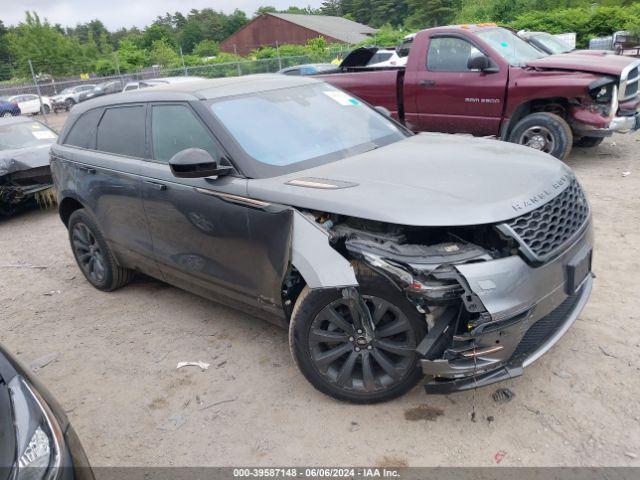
(67, 206)
(550, 104)
(313, 262)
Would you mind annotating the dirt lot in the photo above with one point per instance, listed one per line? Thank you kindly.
(115, 370)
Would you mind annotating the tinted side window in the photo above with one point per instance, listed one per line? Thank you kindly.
(83, 132)
(295, 71)
(175, 128)
(122, 131)
(449, 54)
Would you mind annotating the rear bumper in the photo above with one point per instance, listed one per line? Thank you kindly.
(530, 308)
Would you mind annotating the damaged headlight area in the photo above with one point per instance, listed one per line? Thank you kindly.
(39, 439)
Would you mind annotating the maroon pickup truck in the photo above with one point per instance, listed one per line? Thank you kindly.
(486, 81)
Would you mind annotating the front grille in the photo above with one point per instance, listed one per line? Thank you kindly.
(547, 228)
(541, 331)
(631, 83)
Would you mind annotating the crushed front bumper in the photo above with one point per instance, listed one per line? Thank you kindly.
(530, 308)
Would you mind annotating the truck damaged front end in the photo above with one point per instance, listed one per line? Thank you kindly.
(612, 105)
(495, 297)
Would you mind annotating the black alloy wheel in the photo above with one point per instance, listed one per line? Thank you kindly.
(345, 355)
(88, 253)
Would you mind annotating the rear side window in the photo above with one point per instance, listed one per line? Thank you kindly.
(449, 54)
(175, 128)
(122, 131)
(83, 132)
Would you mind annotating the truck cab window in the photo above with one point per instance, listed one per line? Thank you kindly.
(449, 54)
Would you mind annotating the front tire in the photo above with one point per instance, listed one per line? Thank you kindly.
(46, 109)
(338, 361)
(93, 255)
(68, 103)
(544, 131)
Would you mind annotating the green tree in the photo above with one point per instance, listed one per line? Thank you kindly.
(130, 56)
(49, 49)
(163, 54)
(206, 48)
(431, 13)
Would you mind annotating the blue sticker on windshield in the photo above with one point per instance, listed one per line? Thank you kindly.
(353, 101)
(504, 44)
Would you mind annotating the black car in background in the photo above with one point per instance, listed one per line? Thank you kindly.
(25, 175)
(104, 88)
(36, 440)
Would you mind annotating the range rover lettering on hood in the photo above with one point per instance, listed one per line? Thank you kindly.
(544, 195)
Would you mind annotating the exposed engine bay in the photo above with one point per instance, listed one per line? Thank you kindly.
(421, 262)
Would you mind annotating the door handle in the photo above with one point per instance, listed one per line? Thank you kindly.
(156, 185)
(427, 83)
(89, 170)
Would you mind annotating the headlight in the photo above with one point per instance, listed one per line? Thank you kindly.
(38, 435)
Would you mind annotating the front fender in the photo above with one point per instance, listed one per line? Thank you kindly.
(312, 255)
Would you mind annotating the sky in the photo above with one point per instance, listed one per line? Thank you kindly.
(127, 13)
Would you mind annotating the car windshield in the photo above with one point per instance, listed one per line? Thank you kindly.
(25, 134)
(551, 43)
(510, 47)
(291, 129)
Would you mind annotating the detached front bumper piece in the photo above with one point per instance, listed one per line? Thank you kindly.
(530, 308)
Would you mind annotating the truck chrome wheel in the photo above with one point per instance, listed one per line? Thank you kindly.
(88, 252)
(539, 138)
(345, 356)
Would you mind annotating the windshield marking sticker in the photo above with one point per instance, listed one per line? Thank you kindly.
(341, 97)
(43, 134)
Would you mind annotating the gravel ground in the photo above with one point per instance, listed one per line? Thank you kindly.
(116, 355)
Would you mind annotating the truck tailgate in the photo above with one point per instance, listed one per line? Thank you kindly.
(377, 87)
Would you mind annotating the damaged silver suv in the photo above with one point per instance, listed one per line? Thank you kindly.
(389, 256)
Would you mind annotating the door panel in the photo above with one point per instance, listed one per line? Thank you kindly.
(203, 228)
(452, 99)
(200, 239)
(110, 188)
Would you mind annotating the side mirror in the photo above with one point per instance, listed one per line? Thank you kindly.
(480, 62)
(383, 110)
(196, 163)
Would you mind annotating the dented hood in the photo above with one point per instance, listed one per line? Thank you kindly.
(597, 63)
(23, 159)
(427, 180)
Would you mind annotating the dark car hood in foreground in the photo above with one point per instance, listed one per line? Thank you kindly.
(606, 64)
(428, 180)
(23, 159)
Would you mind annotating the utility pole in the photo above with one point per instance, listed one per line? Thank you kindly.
(184, 68)
(279, 59)
(115, 58)
(235, 52)
(44, 115)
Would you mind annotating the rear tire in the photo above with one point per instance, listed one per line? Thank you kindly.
(361, 373)
(46, 109)
(588, 142)
(93, 255)
(544, 131)
(6, 114)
